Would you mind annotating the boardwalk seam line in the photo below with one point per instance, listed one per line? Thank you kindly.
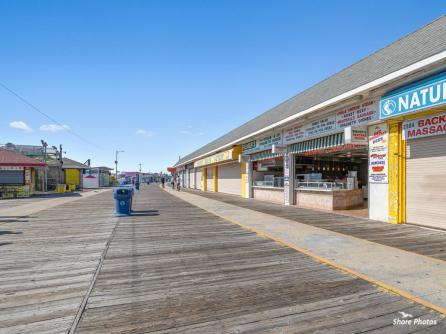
(331, 263)
(83, 305)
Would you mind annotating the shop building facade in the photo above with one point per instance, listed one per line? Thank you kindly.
(18, 174)
(368, 137)
(415, 115)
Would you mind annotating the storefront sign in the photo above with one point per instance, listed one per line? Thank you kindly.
(263, 143)
(352, 116)
(425, 94)
(279, 149)
(356, 135)
(231, 154)
(248, 147)
(27, 176)
(11, 168)
(378, 153)
(425, 127)
(357, 115)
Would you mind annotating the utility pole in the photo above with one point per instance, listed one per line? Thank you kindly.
(116, 163)
(140, 175)
(45, 172)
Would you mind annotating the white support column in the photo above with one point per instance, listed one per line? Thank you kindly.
(288, 178)
(249, 179)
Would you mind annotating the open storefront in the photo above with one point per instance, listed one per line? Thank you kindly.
(267, 176)
(331, 177)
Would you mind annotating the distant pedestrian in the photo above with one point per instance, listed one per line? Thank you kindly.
(163, 180)
(179, 182)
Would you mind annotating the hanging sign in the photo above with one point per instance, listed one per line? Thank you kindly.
(422, 95)
(279, 149)
(378, 153)
(425, 127)
(243, 158)
(356, 135)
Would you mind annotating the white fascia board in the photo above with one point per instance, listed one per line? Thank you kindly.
(361, 89)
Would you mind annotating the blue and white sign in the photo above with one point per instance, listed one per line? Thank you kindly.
(425, 94)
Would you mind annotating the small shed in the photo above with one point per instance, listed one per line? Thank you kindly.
(95, 177)
(69, 172)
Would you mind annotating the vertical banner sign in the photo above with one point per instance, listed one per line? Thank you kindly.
(378, 153)
(27, 176)
(286, 179)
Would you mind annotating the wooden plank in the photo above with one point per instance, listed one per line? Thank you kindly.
(186, 270)
(407, 237)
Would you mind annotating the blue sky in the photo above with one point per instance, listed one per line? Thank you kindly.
(159, 79)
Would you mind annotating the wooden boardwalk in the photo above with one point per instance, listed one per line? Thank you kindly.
(174, 268)
(47, 262)
(412, 238)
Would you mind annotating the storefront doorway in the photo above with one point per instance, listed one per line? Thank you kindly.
(333, 179)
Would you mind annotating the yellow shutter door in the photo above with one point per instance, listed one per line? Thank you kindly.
(72, 176)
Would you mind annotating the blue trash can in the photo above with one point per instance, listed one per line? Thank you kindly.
(123, 200)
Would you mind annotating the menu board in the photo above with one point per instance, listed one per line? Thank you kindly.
(378, 153)
(352, 116)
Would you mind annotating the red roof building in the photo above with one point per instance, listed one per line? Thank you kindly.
(11, 158)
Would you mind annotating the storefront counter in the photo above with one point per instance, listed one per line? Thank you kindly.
(268, 194)
(329, 199)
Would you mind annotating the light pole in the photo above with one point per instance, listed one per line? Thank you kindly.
(116, 163)
(140, 175)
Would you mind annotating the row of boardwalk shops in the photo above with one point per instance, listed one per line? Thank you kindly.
(384, 153)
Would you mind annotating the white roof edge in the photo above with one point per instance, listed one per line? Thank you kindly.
(371, 85)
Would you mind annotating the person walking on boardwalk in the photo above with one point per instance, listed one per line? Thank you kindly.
(178, 182)
(163, 180)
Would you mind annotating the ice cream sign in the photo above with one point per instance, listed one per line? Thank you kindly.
(422, 95)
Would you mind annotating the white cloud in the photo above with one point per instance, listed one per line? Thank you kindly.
(145, 133)
(20, 125)
(53, 127)
(190, 132)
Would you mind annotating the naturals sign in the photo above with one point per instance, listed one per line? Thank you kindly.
(423, 95)
(432, 125)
